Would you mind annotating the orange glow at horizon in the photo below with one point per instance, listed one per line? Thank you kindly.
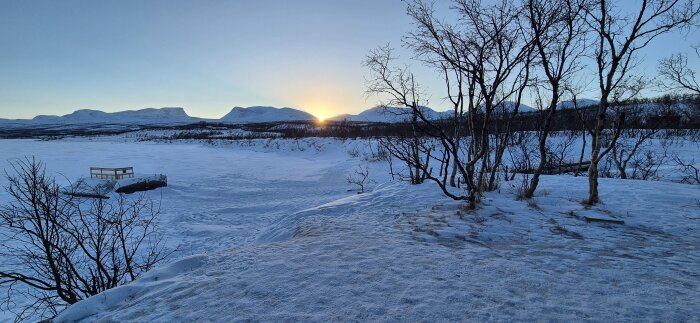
(326, 100)
(322, 108)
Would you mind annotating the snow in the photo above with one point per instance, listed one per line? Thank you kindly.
(509, 107)
(90, 186)
(268, 230)
(365, 259)
(397, 114)
(143, 116)
(580, 103)
(141, 179)
(391, 115)
(265, 114)
(162, 116)
(104, 187)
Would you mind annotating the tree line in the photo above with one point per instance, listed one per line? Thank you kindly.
(492, 56)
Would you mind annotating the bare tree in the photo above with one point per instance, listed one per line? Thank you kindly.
(557, 28)
(677, 73)
(690, 170)
(58, 249)
(618, 39)
(559, 151)
(484, 53)
(401, 88)
(359, 177)
(629, 150)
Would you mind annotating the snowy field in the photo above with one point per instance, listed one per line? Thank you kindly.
(267, 230)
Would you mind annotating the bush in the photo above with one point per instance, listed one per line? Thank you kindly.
(58, 249)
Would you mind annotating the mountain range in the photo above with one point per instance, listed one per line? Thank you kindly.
(254, 114)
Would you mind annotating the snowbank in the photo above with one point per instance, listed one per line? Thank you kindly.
(145, 286)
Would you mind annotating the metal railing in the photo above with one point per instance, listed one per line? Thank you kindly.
(111, 173)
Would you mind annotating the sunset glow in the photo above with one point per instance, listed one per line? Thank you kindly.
(115, 59)
(365, 160)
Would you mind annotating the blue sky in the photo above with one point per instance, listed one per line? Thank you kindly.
(206, 56)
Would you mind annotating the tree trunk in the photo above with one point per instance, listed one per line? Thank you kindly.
(543, 145)
(595, 152)
(621, 165)
(583, 150)
(417, 179)
(593, 184)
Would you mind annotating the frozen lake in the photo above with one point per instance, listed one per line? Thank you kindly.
(268, 231)
(217, 197)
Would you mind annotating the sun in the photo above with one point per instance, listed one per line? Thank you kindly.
(321, 118)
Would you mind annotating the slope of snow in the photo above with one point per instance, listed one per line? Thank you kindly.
(581, 103)
(390, 115)
(341, 117)
(12, 123)
(265, 114)
(509, 107)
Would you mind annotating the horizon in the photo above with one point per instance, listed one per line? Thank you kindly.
(366, 160)
(209, 57)
(189, 114)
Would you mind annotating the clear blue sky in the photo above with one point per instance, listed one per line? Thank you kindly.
(206, 56)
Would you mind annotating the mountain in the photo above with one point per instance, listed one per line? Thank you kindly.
(143, 116)
(265, 114)
(162, 116)
(509, 107)
(581, 103)
(396, 114)
(390, 115)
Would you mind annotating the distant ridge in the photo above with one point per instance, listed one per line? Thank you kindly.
(389, 115)
(258, 114)
(89, 116)
(163, 116)
(580, 103)
(397, 114)
(509, 107)
(265, 114)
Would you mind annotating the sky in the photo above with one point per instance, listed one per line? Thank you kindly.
(206, 56)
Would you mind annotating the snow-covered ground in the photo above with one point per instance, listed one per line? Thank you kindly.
(266, 230)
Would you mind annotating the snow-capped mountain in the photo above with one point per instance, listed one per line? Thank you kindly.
(265, 114)
(396, 114)
(143, 116)
(509, 107)
(378, 114)
(581, 103)
(390, 115)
